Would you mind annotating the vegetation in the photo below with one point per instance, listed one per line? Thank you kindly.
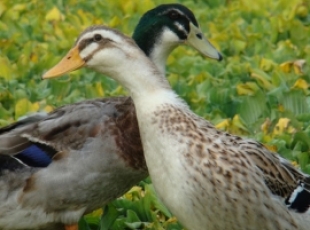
(260, 89)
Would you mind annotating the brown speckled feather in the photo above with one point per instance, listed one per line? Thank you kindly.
(218, 175)
(280, 176)
(69, 127)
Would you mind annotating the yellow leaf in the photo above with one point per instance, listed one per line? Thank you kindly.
(59, 33)
(98, 21)
(286, 67)
(283, 126)
(223, 124)
(35, 107)
(264, 82)
(133, 192)
(298, 64)
(238, 123)
(48, 108)
(281, 108)
(272, 148)
(4, 122)
(265, 126)
(267, 138)
(34, 58)
(84, 17)
(19, 7)
(115, 21)
(24, 106)
(120, 90)
(171, 60)
(262, 78)
(172, 220)
(99, 89)
(147, 5)
(2, 8)
(5, 95)
(128, 7)
(97, 213)
(135, 189)
(173, 78)
(54, 15)
(248, 88)
(301, 84)
(295, 164)
(266, 64)
(291, 130)
(302, 11)
(6, 70)
(238, 45)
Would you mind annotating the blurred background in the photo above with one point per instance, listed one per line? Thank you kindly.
(260, 90)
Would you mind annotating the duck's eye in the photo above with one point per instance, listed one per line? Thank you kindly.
(97, 37)
(174, 15)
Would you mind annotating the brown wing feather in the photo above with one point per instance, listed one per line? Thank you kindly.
(128, 136)
(280, 176)
(11, 142)
(69, 127)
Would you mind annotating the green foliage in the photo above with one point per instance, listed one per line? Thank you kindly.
(260, 90)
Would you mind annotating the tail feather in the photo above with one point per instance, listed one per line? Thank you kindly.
(9, 163)
(18, 148)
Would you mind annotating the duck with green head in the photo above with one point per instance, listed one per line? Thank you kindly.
(56, 167)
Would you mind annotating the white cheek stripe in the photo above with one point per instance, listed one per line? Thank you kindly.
(106, 34)
(180, 27)
(88, 50)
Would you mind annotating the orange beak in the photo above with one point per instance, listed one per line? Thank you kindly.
(72, 61)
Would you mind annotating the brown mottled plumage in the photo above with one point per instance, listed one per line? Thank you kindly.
(208, 178)
(71, 129)
(231, 164)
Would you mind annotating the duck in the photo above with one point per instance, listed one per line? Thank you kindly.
(56, 167)
(208, 178)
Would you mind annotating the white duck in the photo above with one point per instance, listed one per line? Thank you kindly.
(208, 178)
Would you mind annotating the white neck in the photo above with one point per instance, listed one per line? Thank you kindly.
(159, 56)
(162, 48)
(139, 75)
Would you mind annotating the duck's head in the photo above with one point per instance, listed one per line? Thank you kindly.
(163, 28)
(103, 49)
(159, 31)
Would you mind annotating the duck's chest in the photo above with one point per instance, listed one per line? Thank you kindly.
(165, 135)
(199, 177)
(174, 156)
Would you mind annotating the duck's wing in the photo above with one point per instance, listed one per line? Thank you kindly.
(95, 152)
(36, 140)
(17, 151)
(281, 177)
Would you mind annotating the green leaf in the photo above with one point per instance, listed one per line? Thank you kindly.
(109, 216)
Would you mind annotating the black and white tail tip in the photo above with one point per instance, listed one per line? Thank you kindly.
(299, 200)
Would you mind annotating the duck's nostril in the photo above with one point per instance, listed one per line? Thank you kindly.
(199, 36)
